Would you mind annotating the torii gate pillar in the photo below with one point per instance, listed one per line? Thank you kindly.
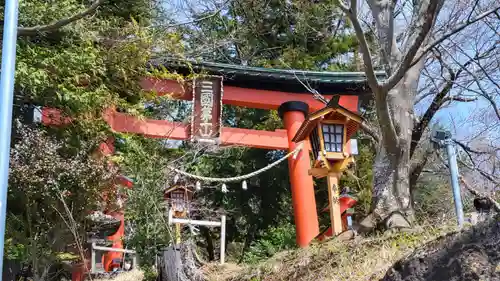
(304, 203)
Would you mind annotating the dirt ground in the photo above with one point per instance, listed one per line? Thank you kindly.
(473, 254)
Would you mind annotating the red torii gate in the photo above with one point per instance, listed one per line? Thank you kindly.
(260, 88)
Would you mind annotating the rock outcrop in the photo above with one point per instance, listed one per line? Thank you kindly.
(472, 254)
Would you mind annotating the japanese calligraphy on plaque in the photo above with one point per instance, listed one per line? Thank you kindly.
(207, 109)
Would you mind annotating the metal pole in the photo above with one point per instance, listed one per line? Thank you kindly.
(223, 239)
(6, 103)
(452, 163)
(92, 259)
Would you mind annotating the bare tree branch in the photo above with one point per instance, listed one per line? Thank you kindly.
(417, 166)
(457, 29)
(440, 98)
(437, 102)
(317, 95)
(472, 10)
(481, 172)
(475, 192)
(426, 16)
(468, 148)
(26, 31)
(483, 92)
(370, 131)
(351, 12)
(343, 6)
(459, 98)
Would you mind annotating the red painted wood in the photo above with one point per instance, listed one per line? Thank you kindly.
(117, 241)
(107, 147)
(252, 98)
(303, 200)
(255, 138)
(345, 204)
(53, 116)
(124, 123)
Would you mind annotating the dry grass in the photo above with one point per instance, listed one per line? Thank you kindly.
(362, 259)
(133, 275)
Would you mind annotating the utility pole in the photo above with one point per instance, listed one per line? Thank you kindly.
(442, 139)
(6, 103)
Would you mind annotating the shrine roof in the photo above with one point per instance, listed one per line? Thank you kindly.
(285, 80)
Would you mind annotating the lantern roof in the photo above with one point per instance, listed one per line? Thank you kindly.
(332, 111)
(177, 186)
(284, 80)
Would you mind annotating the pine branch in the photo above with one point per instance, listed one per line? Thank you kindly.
(215, 13)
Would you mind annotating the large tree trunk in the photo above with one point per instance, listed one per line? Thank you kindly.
(394, 97)
(392, 203)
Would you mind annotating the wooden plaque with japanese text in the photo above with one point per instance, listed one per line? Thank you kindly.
(207, 109)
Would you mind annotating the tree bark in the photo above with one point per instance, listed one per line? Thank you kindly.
(394, 97)
(210, 243)
(392, 203)
(391, 190)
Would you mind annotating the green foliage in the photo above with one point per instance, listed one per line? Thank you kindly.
(15, 251)
(434, 201)
(360, 179)
(282, 34)
(82, 68)
(433, 198)
(52, 187)
(272, 241)
(144, 160)
(265, 202)
(97, 63)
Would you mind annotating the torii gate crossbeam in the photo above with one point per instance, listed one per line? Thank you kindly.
(245, 87)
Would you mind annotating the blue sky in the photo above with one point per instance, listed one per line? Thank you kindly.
(449, 116)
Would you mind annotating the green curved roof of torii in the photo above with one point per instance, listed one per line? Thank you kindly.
(287, 80)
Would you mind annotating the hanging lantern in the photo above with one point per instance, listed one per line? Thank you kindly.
(224, 188)
(198, 185)
(244, 185)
